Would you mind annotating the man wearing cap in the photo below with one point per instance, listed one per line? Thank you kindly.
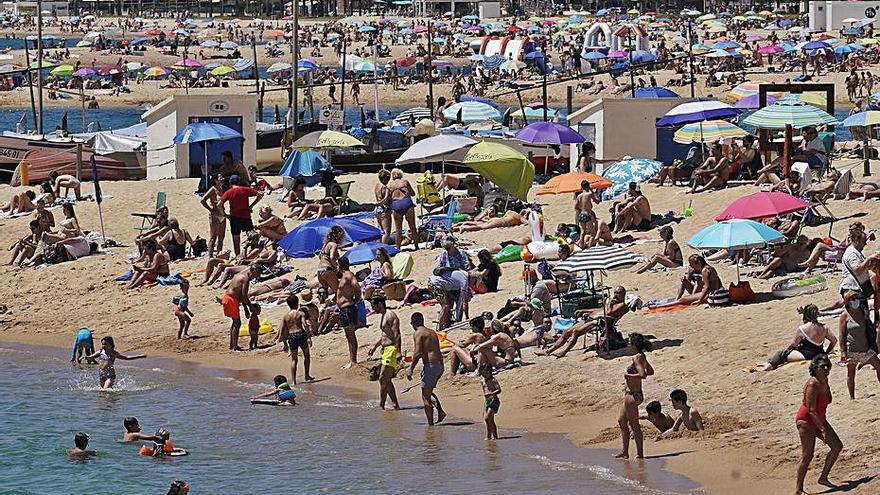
(389, 341)
(239, 209)
(293, 325)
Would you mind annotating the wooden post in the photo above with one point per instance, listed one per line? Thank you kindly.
(569, 98)
(79, 161)
(295, 68)
(82, 101)
(430, 70)
(30, 74)
(786, 150)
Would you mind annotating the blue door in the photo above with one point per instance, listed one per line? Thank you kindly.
(667, 149)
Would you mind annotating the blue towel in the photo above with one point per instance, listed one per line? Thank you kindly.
(125, 277)
(175, 279)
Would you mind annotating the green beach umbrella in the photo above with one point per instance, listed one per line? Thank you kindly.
(507, 168)
(62, 70)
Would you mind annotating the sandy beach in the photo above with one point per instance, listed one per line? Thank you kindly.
(750, 443)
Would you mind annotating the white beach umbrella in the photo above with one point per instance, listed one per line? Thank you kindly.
(433, 147)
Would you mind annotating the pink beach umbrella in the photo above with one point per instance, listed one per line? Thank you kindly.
(770, 49)
(188, 62)
(617, 54)
(762, 205)
(85, 71)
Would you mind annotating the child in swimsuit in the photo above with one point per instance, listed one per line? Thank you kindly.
(181, 309)
(491, 391)
(254, 327)
(106, 358)
(282, 392)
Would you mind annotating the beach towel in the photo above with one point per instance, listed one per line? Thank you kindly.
(125, 277)
(167, 280)
(671, 309)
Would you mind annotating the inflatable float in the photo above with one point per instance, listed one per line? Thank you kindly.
(269, 402)
(798, 286)
(265, 328)
(539, 249)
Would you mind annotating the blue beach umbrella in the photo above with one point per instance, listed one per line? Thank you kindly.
(487, 101)
(638, 170)
(203, 132)
(366, 29)
(493, 62)
(735, 234)
(727, 45)
(594, 56)
(307, 239)
(651, 92)
(366, 252)
(307, 164)
(642, 56)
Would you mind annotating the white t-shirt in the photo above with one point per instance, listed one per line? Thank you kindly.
(817, 145)
(852, 258)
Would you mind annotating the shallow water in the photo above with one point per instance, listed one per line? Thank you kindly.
(331, 442)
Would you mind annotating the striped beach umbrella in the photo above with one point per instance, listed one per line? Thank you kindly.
(695, 111)
(598, 258)
(470, 112)
(415, 113)
(783, 113)
(709, 131)
(862, 119)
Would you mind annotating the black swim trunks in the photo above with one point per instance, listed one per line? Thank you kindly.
(238, 225)
(299, 339)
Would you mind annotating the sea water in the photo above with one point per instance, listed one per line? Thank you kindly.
(331, 442)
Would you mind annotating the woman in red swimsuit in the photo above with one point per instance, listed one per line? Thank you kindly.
(811, 423)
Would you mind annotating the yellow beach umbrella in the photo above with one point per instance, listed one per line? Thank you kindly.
(326, 139)
(222, 70)
(507, 168)
(868, 41)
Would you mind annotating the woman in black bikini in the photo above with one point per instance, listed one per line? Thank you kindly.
(636, 372)
(175, 240)
(328, 259)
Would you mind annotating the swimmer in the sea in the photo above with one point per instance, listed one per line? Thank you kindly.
(162, 446)
(133, 431)
(80, 451)
(282, 392)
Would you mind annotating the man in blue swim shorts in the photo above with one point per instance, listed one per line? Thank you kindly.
(427, 350)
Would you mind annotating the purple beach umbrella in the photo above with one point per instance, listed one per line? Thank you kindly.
(549, 133)
(751, 102)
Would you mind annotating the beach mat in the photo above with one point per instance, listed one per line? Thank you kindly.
(670, 309)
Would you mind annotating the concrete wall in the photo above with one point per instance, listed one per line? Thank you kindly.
(168, 118)
(623, 126)
(827, 15)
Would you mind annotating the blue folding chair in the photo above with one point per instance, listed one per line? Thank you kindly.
(441, 223)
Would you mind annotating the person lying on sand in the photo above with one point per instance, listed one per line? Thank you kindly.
(654, 414)
(864, 190)
(20, 203)
(510, 219)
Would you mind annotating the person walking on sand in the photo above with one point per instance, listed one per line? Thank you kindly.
(389, 341)
(427, 349)
(293, 325)
(348, 298)
(235, 297)
(635, 374)
(240, 209)
(812, 424)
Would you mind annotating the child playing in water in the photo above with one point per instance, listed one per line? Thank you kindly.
(161, 445)
(83, 347)
(491, 390)
(182, 311)
(654, 414)
(254, 326)
(690, 417)
(133, 431)
(282, 391)
(81, 441)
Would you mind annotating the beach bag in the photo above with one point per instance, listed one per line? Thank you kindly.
(199, 247)
(741, 293)
(562, 324)
(426, 190)
(610, 339)
(719, 298)
(394, 291)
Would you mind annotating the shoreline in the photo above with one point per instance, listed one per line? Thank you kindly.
(705, 472)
